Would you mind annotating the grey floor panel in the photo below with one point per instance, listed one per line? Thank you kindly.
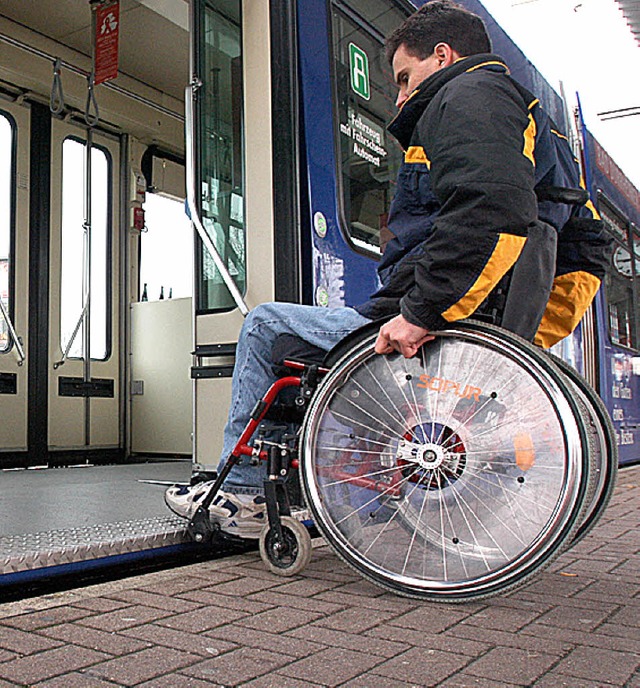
(62, 515)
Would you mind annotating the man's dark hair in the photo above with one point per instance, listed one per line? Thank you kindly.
(439, 21)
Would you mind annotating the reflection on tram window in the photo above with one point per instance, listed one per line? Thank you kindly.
(619, 282)
(219, 128)
(6, 175)
(369, 157)
(166, 250)
(75, 260)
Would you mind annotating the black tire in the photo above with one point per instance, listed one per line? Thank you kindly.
(443, 513)
(604, 457)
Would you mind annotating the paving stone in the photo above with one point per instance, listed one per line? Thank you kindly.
(279, 620)
(142, 666)
(279, 681)
(94, 639)
(622, 641)
(209, 597)
(201, 619)
(357, 620)
(100, 604)
(553, 679)
(177, 680)
(313, 604)
(46, 617)
(627, 616)
(158, 600)
(248, 637)
(245, 586)
(369, 680)
(331, 667)
(182, 584)
(194, 643)
(73, 680)
(502, 618)
(239, 666)
(350, 641)
(5, 656)
(425, 639)
(432, 618)
(464, 680)
(124, 618)
(523, 640)
(512, 665)
(306, 587)
(596, 664)
(390, 603)
(424, 668)
(24, 643)
(32, 669)
(581, 619)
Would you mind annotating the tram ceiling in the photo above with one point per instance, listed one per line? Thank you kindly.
(164, 65)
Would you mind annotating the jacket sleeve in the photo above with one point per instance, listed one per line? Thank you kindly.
(478, 138)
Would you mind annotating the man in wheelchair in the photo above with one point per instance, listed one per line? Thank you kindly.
(488, 220)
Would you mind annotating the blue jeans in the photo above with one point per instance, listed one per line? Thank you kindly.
(254, 371)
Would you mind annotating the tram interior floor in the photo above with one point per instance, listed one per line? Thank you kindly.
(51, 499)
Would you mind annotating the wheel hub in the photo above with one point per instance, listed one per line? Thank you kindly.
(428, 456)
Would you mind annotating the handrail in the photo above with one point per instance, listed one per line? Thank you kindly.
(189, 96)
(12, 333)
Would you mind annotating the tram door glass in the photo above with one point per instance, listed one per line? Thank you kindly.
(369, 157)
(6, 213)
(219, 132)
(75, 263)
(620, 286)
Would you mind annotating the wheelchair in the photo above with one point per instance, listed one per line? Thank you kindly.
(451, 476)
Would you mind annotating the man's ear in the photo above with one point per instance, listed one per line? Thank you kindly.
(445, 54)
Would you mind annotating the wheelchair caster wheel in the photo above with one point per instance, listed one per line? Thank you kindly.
(289, 556)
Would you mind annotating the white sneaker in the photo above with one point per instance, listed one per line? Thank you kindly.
(237, 514)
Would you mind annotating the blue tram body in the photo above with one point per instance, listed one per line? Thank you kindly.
(342, 274)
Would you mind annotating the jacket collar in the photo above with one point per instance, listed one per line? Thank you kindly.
(404, 123)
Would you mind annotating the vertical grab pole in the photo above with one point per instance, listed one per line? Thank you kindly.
(86, 330)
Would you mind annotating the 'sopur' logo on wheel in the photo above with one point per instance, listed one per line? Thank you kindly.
(441, 384)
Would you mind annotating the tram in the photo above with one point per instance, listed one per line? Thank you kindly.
(261, 125)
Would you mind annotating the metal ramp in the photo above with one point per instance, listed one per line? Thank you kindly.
(26, 552)
(55, 517)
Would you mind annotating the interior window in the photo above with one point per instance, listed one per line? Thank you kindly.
(76, 268)
(166, 250)
(369, 157)
(6, 213)
(620, 280)
(221, 149)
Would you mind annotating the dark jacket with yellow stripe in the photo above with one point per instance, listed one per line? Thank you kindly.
(476, 146)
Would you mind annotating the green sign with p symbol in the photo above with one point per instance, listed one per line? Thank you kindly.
(359, 68)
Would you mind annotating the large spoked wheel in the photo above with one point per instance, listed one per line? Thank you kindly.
(603, 457)
(452, 475)
(288, 555)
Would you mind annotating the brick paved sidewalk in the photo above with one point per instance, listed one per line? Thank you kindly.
(231, 623)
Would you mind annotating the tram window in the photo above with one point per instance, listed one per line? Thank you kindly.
(220, 114)
(369, 158)
(166, 249)
(6, 175)
(619, 282)
(73, 262)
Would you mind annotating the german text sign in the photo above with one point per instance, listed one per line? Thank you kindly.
(106, 50)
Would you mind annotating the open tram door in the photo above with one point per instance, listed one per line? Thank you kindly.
(234, 44)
